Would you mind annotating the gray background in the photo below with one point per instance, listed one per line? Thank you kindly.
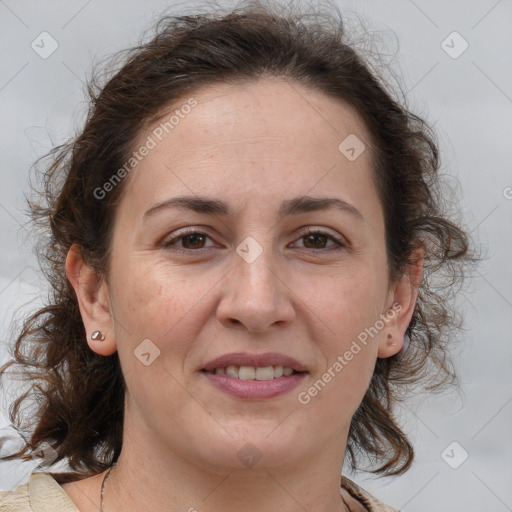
(468, 99)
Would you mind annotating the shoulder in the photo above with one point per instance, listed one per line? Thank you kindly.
(364, 497)
(16, 500)
(40, 493)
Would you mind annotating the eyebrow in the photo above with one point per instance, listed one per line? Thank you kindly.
(296, 206)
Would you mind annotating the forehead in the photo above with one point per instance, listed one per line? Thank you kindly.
(264, 139)
(277, 108)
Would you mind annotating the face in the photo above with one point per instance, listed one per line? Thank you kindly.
(199, 281)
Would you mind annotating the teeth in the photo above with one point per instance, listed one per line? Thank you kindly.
(254, 373)
(247, 373)
(232, 371)
(265, 373)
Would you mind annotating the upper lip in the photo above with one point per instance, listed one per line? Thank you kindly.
(247, 359)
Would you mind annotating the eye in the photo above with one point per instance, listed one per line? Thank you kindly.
(316, 239)
(191, 239)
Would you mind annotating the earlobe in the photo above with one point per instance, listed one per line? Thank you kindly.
(392, 346)
(91, 291)
(405, 293)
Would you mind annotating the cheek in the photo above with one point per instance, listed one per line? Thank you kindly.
(162, 302)
(349, 350)
(348, 308)
(346, 302)
(149, 292)
(154, 302)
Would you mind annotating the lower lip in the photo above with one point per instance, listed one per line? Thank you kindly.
(255, 389)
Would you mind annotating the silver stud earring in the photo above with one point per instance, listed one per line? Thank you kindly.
(97, 336)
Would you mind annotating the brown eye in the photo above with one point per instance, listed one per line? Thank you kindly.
(194, 241)
(315, 240)
(190, 241)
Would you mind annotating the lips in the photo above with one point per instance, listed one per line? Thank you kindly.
(266, 359)
(247, 376)
(254, 389)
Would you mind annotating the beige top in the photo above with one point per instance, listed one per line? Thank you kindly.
(42, 493)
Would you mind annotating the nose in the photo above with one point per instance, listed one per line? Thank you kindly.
(255, 295)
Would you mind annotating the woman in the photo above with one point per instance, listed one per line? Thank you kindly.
(242, 241)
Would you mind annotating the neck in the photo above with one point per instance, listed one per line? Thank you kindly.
(130, 490)
(149, 476)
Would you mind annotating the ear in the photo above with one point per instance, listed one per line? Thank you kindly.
(93, 300)
(402, 301)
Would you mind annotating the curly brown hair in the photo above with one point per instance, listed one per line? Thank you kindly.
(80, 394)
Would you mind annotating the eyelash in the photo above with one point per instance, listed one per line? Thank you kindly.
(309, 231)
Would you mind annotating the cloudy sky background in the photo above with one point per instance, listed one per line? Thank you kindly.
(468, 99)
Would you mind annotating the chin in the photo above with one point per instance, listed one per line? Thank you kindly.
(253, 445)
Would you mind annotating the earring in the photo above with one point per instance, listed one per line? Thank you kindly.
(97, 336)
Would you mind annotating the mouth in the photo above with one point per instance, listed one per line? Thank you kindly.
(258, 373)
(254, 382)
(254, 376)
